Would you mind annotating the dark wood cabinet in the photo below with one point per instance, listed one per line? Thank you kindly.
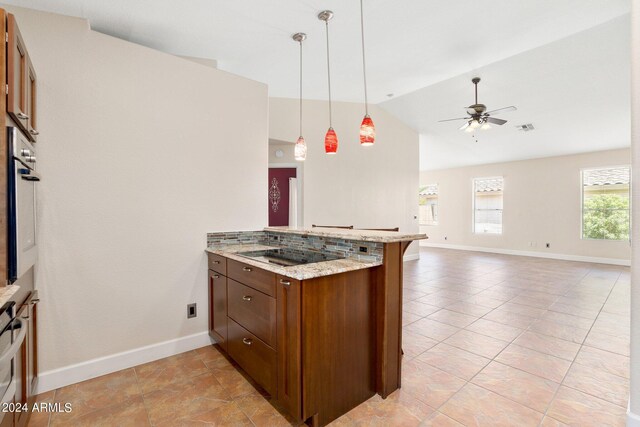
(26, 361)
(218, 308)
(311, 344)
(21, 81)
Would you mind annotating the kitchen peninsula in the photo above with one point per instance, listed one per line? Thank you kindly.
(312, 315)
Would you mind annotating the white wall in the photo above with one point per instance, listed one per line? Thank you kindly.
(142, 153)
(368, 187)
(542, 204)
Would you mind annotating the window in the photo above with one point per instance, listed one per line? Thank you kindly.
(605, 203)
(428, 201)
(487, 205)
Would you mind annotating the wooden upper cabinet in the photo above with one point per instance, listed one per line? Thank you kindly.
(21, 81)
(16, 73)
(31, 102)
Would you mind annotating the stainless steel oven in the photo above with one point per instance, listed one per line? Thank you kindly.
(22, 179)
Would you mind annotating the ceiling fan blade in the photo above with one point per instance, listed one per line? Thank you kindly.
(495, 121)
(464, 126)
(502, 110)
(450, 120)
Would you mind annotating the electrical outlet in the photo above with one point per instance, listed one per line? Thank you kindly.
(364, 249)
(445, 237)
(192, 310)
(548, 245)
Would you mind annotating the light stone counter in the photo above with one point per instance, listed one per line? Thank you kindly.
(299, 272)
(340, 233)
(7, 292)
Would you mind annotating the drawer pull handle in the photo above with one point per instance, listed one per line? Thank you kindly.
(247, 297)
(247, 341)
(285, 282)
(215, 276)
(215, 262)
(246, 269)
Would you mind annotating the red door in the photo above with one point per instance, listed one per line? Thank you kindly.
(279, 195)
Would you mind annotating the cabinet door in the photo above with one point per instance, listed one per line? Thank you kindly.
(31, 102)
(32, 338)
(16, 74)
(218, 308)
(289, 345)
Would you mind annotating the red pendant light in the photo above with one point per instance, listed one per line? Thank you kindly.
(367, 128)
(367, 132)
(331, 142)
(330, 139)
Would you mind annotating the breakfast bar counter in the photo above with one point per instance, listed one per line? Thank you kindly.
(314, 316)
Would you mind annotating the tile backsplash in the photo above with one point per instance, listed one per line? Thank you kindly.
(354, 249)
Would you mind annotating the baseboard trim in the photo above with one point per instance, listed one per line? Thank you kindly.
(565, 257)
(56, 378)
(411, 257)
(633, 420)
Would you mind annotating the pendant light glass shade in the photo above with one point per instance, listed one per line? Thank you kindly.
(367, 132)
(331, 142)
(367, 128)
(300, 150)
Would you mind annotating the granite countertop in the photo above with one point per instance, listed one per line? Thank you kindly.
(299, 272)
(340, 233)
(7, 292)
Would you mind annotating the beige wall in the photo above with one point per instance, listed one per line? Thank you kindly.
(364, 186)
(542, 204)
(142, 153)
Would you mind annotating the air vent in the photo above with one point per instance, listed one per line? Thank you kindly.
(525, 128)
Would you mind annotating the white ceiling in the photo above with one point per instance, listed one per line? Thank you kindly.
(410, 44)
(574, 91)
(563, 63)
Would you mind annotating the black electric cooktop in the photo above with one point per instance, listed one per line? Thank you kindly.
(288, 256)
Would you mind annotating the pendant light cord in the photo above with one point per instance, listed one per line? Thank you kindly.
(300, 87)
(364, 66)
(328, 72)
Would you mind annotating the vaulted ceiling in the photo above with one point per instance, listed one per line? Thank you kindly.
(562, 62)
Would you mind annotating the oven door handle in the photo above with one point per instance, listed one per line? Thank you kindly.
(28, 174)
(11, 351)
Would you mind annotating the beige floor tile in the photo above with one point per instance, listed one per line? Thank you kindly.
(428, 384)
(567, 319)
(98, 393)
(533, 362)
(612, 363)
(510, 319)
(262, 413)
(131, 413)
(164, 372)
(476, 406)
(408, 318)
(468, 308)
(432, 329)
(559, 330)
(438, 419)
(494, 329)
(477, 343)
(452, 318)
(414, 344)
(575, 408)
(399, 409)
(550, 422)
(604, 385)
(228, 414)
(530, 390)
(609, 343)
(484, 301)
(437, 300)
(549, 345)
(453, 360)
(419, 308)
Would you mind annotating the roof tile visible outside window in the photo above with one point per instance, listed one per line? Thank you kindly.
(485, 185)
(608, 176)
(430, 190)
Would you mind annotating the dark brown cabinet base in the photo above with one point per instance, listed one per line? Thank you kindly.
(320, 346)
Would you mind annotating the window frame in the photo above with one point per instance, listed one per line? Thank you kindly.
(437, 222)
(473, 206)
(591, 168)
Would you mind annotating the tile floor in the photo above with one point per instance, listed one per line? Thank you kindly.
(489, 340)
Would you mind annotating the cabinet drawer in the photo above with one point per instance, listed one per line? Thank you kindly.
(217, 263)
(254, 310)
(253, 355)
(257, 278)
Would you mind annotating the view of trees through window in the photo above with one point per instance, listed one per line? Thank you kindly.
(606, 203)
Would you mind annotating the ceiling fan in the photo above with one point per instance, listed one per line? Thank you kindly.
(479, 117)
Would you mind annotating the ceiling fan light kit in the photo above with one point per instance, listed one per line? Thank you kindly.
(479, 117)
